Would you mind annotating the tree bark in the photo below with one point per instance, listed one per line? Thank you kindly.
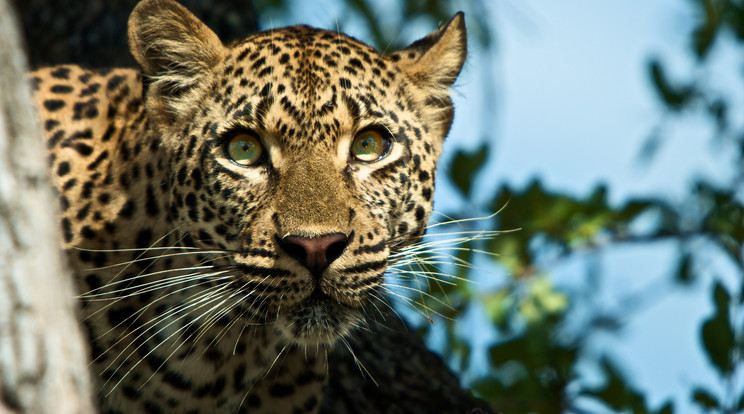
(43, 362)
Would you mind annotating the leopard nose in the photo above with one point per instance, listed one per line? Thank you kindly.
(316, 253)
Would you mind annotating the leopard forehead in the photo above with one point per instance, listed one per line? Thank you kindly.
(308, 87)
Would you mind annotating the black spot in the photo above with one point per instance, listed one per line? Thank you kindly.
(257, 64)
(87, 133)
(266, 91)
(420, 213)
(104, 198)
(69, 184)
(54, 140)
(253, 401)
(218, 386)
(87, 189)
(426, 192)
(99, 159)
(114, 82)
(90, 90)
(152, 407)
(53, 104)
(151, 204)
(61, 73)
(176, 380)
(87, 232)
(265, 71)
(83, 212)
(144, 237)
(310, 404)
(92, 280)
(64, 203)
(86, 109)
(196, 178)
(83, 149)
(127, 210)
(402, 228)
(108, 133)
(243, 54)
(345, 83)
(279, 390)
(50, 124)
(66, 230)
(239, 378)
(61, 89)
(181, 176)
(63, 168)
(131, 393)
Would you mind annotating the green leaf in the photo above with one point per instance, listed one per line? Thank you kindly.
(667, 408)
(684, 273)
(674, 96)
(616, 393)
(717, 333)
(464, 167)
(705, 34)
(705, 399)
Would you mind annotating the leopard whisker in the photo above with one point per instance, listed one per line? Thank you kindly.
(360, 365)
(422, 294)
(144, 259)
(207, 277)
(165, 282)
(158, 318)
(153, 349)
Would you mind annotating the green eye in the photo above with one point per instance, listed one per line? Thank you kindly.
(245, 149)
(370, 145)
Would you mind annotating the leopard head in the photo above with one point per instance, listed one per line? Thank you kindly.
(305, 156)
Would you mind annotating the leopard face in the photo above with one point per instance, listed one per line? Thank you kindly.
(265, 184)
(305, 153)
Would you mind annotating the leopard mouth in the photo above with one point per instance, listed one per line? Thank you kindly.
(318, 320)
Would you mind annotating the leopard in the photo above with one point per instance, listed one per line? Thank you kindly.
(229, 211)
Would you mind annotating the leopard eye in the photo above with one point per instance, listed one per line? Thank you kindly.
(245, 149)
(370, 145)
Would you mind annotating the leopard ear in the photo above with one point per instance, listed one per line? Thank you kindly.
(435, 60)
(173, 47)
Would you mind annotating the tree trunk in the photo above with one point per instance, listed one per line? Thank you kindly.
(43, 360)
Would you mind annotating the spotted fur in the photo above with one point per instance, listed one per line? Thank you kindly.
(194, 298)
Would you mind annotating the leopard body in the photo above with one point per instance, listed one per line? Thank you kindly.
(211, 286)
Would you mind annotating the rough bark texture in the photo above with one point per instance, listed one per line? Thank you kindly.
(409, 378)
(43, 360)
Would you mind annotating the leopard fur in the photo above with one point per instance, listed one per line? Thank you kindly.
(209, 286)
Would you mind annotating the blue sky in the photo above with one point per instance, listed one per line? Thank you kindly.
(571, 104)
(574, 106)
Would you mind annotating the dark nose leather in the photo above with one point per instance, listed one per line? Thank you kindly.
(316, 253)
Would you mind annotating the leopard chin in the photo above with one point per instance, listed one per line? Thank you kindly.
(318, 321)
